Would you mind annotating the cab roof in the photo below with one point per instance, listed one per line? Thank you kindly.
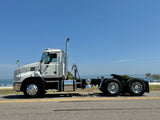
(52, 50)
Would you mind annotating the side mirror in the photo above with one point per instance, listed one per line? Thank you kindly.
(17, 63)
(46, 61)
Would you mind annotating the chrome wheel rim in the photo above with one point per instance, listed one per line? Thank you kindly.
(113, 87)
(137, 87)
(32, 89)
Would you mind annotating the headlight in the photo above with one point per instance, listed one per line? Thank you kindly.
(17, 79)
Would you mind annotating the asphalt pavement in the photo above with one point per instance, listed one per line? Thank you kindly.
(75, 106)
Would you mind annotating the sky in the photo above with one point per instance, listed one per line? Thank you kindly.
(106, 36)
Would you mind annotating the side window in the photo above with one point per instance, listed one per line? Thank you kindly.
(53, 57)
(49, 58)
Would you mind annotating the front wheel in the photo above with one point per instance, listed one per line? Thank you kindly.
(112, 87)
(34, 89)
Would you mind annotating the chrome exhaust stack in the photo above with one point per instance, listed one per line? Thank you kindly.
(66, 59)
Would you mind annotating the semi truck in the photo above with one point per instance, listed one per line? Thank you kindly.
(51, 73)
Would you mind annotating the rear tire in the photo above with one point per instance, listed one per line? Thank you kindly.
(33, 89)
(112, 87)
(136, 87)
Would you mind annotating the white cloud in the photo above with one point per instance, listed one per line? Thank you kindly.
(121, 61)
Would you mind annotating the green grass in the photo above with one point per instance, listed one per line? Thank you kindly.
(8, 91)
(154, 87)
(93, 89)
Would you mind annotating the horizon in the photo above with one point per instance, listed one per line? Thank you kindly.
(106, 37)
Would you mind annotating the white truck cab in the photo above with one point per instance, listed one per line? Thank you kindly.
(50, 70)
(51, 66)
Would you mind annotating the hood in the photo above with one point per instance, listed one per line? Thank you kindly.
(30, 67)
(26, 68)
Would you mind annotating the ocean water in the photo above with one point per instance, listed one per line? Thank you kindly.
(6, 82)
(9, 82)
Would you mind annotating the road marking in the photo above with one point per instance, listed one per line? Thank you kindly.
(79, 99)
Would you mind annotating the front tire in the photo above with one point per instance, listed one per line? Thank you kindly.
(34, 89)
(112, 87)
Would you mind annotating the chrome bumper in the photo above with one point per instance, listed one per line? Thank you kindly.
(17, 87)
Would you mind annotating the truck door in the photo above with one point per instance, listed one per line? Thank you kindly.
(49, 65)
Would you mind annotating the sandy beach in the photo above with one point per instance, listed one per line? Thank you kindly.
(6, 87)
